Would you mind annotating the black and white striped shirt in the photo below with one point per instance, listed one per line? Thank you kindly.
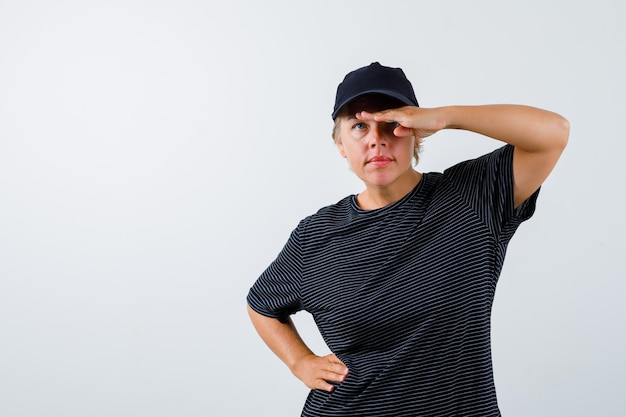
(403, 294)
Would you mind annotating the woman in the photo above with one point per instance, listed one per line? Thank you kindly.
(400, 278)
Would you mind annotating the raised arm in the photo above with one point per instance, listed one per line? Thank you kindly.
(283, 339)
(539, 136)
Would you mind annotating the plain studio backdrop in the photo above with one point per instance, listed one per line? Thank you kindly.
(154, 157)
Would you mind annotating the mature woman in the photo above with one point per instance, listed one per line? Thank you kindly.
(400, 278)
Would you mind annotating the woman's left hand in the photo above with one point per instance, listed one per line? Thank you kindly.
(420, 122)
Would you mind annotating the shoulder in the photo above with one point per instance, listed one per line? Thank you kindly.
(498, 157)
(328, 216)
(341, 207)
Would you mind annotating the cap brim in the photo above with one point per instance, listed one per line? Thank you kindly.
(388, 93)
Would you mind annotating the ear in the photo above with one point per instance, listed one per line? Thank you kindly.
(342, 151)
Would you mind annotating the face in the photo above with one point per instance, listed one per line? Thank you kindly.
(378, 157)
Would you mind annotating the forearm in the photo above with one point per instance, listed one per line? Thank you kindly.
(527, 128)
(282, 338)
(317, 372)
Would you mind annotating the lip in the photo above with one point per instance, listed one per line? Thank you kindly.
(380, 161)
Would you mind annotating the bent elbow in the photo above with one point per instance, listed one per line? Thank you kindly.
(563, 133)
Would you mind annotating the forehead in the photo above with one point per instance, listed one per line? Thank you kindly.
(370, 103)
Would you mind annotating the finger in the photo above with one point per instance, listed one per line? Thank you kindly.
(336, 366)
(381, 116)
(366, 116)
(333, 359)
(338, 369)
(402, 131)
(332, 371)
(324, 386)
(387, 116)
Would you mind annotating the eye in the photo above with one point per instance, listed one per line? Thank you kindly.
(359, 126)
(393, 125)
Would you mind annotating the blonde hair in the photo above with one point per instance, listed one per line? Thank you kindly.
(337, 139)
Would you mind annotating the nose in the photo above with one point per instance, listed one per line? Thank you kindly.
(377, 136)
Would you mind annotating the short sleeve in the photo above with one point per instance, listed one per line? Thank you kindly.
(486, 184)
(276, 293)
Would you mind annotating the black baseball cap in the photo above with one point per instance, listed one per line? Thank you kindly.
(374, 79)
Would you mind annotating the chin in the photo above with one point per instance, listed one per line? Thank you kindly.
(379, 182)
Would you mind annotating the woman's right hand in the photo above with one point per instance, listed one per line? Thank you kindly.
(317, 372)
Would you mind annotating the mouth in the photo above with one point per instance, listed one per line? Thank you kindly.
(380, 161)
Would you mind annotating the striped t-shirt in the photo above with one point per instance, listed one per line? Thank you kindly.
(403, 294)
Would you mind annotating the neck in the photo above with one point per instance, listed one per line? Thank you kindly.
(375, 197)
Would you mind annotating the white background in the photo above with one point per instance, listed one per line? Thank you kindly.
(154, 157)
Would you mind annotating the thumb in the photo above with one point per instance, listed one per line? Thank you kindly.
(401, 131)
